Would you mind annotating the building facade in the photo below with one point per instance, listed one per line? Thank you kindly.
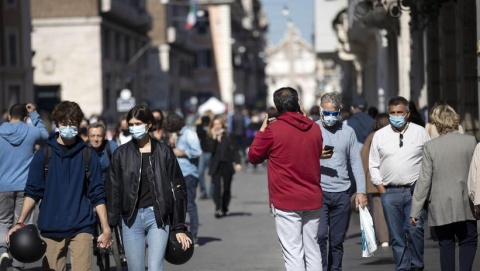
(292, 63)
(88, 51)
(16, 72)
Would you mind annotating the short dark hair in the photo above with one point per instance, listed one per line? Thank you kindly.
(18, 111)
(142, 113)
(286, 100)
(399, 100)
(175, 122)
(67, 112)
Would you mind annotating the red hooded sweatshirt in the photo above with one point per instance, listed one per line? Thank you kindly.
(293, 145)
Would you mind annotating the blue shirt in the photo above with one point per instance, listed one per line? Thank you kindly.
(189, 143)
(335, 174)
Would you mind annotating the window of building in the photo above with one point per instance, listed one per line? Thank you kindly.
(12, 47)
(106, 44)
(203, 59)
(117, 47)
(11, 3)
(127, 49)
(14, 94)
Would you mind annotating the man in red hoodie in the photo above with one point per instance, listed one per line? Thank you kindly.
(293, 145)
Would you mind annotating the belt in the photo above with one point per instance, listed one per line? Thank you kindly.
(404, 186)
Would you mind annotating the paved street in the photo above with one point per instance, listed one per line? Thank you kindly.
(246, 240)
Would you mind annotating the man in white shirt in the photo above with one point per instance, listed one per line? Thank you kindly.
(395, 158)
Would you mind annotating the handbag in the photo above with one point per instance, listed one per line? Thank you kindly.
(369, 242)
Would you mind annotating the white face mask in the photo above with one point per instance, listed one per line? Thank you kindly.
(138, 132)
(68, 132)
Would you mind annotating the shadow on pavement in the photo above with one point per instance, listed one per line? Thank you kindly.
(204, 240)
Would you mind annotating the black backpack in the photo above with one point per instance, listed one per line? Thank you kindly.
(47, 154)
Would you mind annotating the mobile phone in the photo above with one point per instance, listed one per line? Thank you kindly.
(328, 147)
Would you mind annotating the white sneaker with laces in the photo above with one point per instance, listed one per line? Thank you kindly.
(384, 244)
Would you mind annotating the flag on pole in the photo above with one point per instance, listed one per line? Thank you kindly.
(192, 16)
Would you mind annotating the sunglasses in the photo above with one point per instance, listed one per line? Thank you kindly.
(401, 140)
(330, 113)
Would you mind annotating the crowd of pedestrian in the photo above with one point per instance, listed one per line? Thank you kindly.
(144, 177)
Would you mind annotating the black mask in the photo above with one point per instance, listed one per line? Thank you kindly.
(125, 132)
(83, 130)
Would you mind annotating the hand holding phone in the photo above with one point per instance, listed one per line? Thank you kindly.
(328, 148)
(327, 152)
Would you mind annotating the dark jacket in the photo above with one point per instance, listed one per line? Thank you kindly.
(124, 180)
(224, 151)
(66, 208)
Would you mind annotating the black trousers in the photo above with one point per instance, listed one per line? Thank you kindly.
(222, 183)
(466, 232)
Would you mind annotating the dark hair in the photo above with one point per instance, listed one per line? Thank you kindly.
(142, 113)
(381, 120)
(286, 100)
(18, 111)
(158, 122)
(399, 100)
(175, 123)
(205, 120)
(66, 112)
(272, 112)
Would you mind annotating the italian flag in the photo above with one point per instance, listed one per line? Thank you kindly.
(191, 17)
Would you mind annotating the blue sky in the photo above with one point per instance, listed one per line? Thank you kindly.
(301, 12)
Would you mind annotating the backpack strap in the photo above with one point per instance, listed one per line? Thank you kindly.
(47, 157)
(87, 154)
(47, 154)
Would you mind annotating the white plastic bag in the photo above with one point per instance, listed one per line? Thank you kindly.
(369, 242)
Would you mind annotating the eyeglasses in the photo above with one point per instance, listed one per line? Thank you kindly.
(401, 140)
(330, 113)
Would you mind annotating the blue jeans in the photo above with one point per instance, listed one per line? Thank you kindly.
(191, 183)
(203, 164)
(334, 217)
(135, 235)
(407, 240)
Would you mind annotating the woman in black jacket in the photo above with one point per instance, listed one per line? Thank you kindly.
(146, 191)
(225, 153)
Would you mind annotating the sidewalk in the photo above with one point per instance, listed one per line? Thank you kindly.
(246, 240)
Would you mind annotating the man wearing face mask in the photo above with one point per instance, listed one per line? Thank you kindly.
(394, 164)
(66, 216)
(337, 165)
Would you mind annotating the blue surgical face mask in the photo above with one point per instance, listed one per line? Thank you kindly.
(68, 132)
(330, 120)
(138, 132)
(397, 121)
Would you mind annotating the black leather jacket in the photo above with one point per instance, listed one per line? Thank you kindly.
(166, 182)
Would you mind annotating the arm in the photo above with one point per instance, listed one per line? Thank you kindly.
(422, 187)
(37, 122)
(357, 170)
(374, 165)
(258, 151)
(28, 205)
(112, 190)
(105, 240)
(473, 177)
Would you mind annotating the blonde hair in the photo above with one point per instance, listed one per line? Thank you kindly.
(445, 119)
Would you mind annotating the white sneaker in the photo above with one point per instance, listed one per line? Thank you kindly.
(4, 259)
(384, 244)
